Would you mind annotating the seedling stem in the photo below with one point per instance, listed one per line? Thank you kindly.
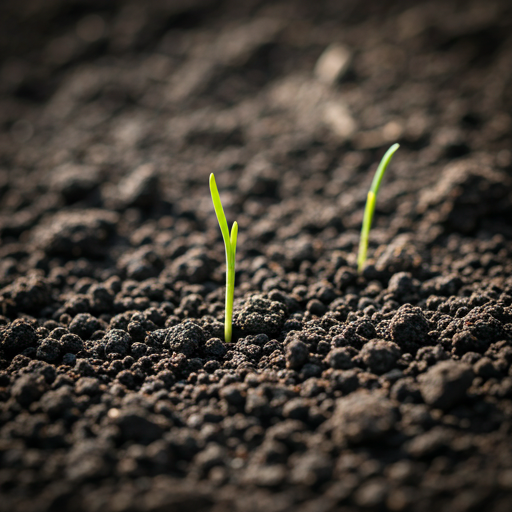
(230, 244)
(370, 206)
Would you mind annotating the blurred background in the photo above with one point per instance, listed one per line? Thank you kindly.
(129, 105)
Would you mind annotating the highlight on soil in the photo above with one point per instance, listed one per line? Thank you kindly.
(370, 206)
(230, 244)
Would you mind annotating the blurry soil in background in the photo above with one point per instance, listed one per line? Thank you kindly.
(387, 391)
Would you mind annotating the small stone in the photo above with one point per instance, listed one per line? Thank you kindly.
(334, 62)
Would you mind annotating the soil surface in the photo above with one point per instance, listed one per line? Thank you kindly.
(386, 391)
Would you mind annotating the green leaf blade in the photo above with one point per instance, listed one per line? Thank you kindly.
(365, 231)
(230, 245)
(381, 169)
(219, 211)
(370, 206)
(233, 239)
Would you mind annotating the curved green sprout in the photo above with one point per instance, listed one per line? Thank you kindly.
(370, 206)
(230, 244)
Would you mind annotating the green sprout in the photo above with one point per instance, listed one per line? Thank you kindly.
(230, 244)
(370, 206)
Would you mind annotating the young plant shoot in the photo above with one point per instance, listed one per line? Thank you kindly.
(370, 206)
(230, 244)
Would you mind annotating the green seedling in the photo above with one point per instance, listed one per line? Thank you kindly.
(230, 244)
(370, 206)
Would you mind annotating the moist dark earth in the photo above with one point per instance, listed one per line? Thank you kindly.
(385, 391)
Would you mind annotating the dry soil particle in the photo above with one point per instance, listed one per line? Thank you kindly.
(446, 383)
(75, 233)
(380, 356)
(409, 329)
(260, 315)
(185, 338)
(362, 417)
(19, 336)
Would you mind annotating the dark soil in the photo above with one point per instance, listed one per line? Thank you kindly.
(389, 391)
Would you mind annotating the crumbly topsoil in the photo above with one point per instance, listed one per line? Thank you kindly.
(387, 391)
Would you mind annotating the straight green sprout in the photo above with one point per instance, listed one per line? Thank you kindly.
(230, 244)
(370, 206)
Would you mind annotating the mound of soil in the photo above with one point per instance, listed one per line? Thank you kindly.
(386, 391)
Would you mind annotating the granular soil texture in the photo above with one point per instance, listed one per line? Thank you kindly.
(386, 391)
